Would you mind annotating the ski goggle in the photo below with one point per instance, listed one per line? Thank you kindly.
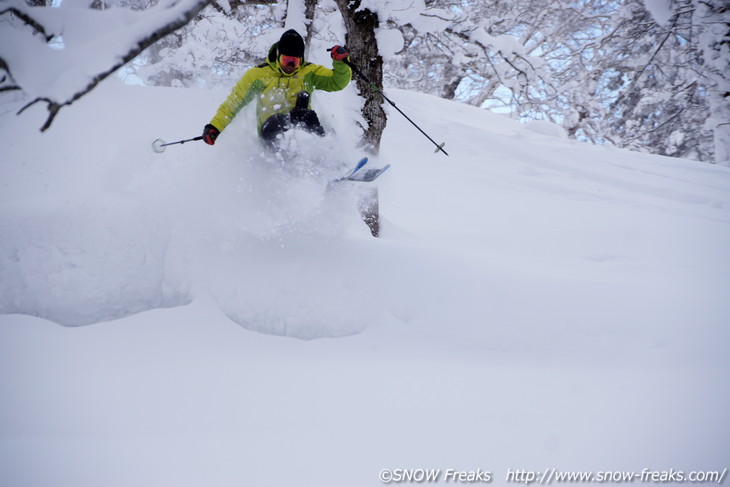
(291, 62)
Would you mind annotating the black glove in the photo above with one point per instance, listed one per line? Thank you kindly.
(210, 133)
(339, 53)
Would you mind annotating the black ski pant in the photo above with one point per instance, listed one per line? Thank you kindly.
(298, 118)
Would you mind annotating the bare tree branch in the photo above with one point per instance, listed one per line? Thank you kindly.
(5, 78)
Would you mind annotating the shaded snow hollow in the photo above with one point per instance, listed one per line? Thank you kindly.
(533, 302)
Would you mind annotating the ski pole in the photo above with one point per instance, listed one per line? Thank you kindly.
(159, 144)
(439, 147)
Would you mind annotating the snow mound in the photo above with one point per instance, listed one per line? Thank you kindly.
(85, 264)
(304, 289)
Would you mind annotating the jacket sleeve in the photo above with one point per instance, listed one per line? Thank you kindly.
(245, 90)
(334, 79)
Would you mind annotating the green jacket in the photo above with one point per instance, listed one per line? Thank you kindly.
(276, 91)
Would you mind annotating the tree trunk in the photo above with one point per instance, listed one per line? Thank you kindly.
(449, 89)
(364, 55)
(369, 207)
(309, 8)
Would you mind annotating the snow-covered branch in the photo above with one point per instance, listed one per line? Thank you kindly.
(91, 45)
(27, 19)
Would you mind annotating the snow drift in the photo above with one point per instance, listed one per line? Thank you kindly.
(533, 302)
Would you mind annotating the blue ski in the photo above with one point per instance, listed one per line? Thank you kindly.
(357, 167)
(363, 176)
(369, 175)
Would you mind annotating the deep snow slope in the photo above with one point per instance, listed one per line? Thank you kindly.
(227, 319)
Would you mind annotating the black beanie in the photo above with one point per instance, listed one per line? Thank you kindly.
(291, 44)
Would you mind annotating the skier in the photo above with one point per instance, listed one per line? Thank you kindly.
(282, 87)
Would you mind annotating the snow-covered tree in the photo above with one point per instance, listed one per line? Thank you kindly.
(643, 74)
(214, 49)
(713, 19)
(605, 70)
